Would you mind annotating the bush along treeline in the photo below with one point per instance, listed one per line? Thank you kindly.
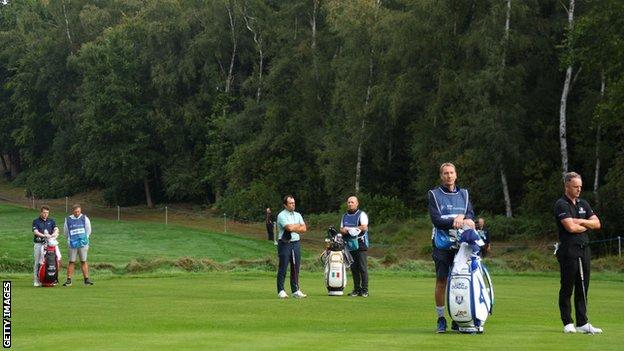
(234, 103)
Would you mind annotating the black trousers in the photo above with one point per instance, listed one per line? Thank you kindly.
(288, 253)
(359, 269)
(269, 228)
(571, 281)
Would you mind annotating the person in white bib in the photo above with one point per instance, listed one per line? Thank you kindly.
(78, 230)
(354, 226)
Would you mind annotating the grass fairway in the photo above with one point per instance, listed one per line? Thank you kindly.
(240, 311)
(172, 310)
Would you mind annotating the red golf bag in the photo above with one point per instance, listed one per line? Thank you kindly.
(49, 266)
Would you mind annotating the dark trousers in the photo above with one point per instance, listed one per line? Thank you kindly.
(359, 269)
(288, 253)
(269, 227)
(571, 280)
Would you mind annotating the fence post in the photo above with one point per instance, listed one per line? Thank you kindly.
(619, 246)
(66, 203)
(166, 215)
(224, 223)
(118, 213)
(33, 202)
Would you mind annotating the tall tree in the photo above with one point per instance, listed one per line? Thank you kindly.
(118, 145)
(564, 97)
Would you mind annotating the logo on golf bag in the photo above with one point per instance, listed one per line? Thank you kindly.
(459, 285)
(461, 314)
(459, 299)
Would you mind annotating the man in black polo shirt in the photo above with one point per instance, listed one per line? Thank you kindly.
(574, 218)
(43, 228)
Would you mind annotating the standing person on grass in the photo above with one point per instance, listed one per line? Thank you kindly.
(354, 227)
(268, 220)
(484, 233)
(575, 218)
(290, 226)
(43, 228)
(449, 209)
(77, 229)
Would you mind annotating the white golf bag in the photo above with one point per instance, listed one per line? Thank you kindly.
(470, 293)
(336, 260)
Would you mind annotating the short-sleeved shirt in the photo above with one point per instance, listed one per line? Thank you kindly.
(41, 225)
(287, 217)
(565, 208)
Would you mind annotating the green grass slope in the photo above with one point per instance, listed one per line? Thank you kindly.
(121, 242)
(240, 311)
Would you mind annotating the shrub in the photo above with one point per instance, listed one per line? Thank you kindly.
(382, 208)
(249, 203)
(322, 221)
(390, 258)
(123, 195)
(45, 182)
(503, 228)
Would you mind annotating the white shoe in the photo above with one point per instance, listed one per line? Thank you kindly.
(588, 329)
(282, 295)
(569, 328)
(36, 284)
(299, 294)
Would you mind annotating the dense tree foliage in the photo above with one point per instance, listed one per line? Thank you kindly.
(234, 102)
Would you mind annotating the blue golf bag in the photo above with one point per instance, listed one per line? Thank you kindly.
(470, 293)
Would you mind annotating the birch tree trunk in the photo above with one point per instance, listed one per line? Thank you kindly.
(358, 166)
(506, 36)
(598, 131)
(315, 65)
(315, 4)
(228, 82)
(508, 211)
(564, 101)
(71, 42)
(258, 41)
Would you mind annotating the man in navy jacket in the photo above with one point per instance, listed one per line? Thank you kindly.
(450, 209)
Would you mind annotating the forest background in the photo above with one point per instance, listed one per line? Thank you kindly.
(231, 104)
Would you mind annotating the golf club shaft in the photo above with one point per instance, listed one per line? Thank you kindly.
(583, 285)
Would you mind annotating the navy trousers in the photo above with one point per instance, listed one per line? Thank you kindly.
(359, 269)
(288, 253)
(571, 282)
